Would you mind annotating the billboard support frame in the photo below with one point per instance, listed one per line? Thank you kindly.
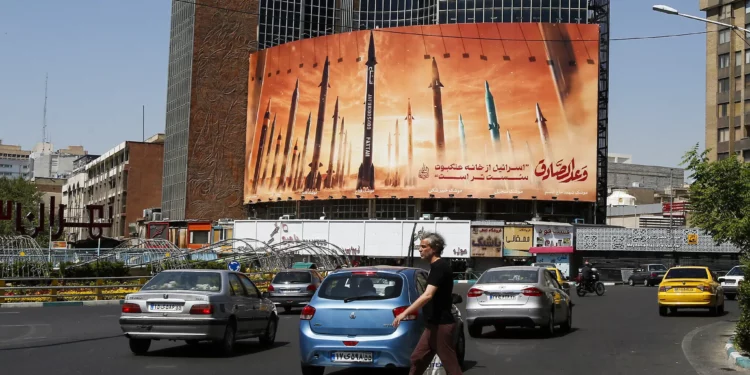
(600, 16)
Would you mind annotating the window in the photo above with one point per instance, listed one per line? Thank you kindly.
(723, 87)
(738, 58)
(738, 133)
(236, 285)
(724, 61)
(724, 36)
(736, 270)
(249, 286)
(747, 6)
(722, 110)
(361, 285)
(181, 280)
(292, 277)
(738, 108)
(747, 35)
(509, 277)
(199, 237)
(421, 282)
(723, 135)
(726, 11)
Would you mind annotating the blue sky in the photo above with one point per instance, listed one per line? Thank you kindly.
(107, 58)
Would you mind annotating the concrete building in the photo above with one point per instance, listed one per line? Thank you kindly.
(44, 162)
(127, 178)
(49, 187)
(727, 55)
(74, 196)
(14, 162)
(623, 174)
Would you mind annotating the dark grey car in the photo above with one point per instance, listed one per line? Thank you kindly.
(294, 288)
(648, 275)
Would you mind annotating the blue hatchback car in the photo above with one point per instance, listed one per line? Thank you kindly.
(349, 321)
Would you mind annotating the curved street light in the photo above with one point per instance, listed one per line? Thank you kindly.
(672, 11)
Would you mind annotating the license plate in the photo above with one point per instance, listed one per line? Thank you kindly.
(502, 296)
(164, 307)
(353, 357)
(683, 289)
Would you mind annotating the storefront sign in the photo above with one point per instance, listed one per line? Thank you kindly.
(487, 242)
(553, 236)
(517, 241)
(649, 239)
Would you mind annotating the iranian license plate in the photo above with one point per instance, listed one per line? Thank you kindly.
(352, 357)
(159, 307)
(502, 296)
(683, 289)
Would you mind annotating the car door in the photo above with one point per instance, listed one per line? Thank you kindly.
(420, 279)
(259, 311)
(557, 294)
(242, 304)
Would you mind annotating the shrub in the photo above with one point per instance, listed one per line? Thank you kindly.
(742, 332)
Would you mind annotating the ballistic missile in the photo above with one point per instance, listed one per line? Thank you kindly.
(349, 160)
(298, 182)
(410, 147)
(366, 174)
(397, 167)
(437, 105)
(339, 158)
(268, 153)
(489, 101)
(313, 181)
(329, 173)
(462, 137)
(543, 132)
(275, 159)
(293, 165)
(261, 146)
(343, 158)
(510, 146)
(388, 180)
(288, 142)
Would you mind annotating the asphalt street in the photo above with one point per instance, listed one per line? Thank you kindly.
(618, 333)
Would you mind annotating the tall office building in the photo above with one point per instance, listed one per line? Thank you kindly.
(727, 53)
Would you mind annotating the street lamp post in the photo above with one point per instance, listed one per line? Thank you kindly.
(672, 11)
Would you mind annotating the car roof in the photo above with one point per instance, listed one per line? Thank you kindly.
(695, 267)
(395, 269)
(517, 268)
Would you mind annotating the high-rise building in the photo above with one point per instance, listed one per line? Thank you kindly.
(14, 162)
(727, 52)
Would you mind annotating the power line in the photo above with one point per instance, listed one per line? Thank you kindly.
(386, 30)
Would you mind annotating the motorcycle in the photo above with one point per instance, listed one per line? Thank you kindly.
(595, 286)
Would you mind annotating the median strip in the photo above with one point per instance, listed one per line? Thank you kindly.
(735, 357)
(14, 305)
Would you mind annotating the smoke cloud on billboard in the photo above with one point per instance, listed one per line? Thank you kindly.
(468, 110)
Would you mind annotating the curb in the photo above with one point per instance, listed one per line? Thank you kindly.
(735, 357)
(14, 305)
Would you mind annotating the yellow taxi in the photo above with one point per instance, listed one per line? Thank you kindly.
(559, 277)
(690, 287)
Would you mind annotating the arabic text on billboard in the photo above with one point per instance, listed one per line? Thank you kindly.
(487, 242)
(517, 241)
(405, 112)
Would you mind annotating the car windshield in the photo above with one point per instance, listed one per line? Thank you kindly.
(361, 285)
(736, 271)
(292, 278)
(509, 277)
(198, 281)
(657, 267)
(687, 273)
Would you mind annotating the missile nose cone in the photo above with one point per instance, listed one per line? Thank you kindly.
(486, 86)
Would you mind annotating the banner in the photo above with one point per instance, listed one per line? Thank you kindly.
(553, 235)
(487, 242)
(420, 112)
(517, 241)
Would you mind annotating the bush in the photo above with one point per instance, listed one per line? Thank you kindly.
(742, 332)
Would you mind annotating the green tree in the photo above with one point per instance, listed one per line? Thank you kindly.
(24, 192)
(720, 204)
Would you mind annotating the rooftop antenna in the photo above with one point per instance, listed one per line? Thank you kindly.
(44, 118)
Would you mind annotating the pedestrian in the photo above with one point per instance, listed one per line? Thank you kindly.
(437, 301)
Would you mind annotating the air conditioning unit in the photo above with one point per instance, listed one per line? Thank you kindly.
(156, 216)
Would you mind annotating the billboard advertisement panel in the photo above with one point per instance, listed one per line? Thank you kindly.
(461, 110)
(518, 241)
(553, 235)
(487, 242)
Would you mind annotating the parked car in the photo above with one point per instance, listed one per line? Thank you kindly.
(349, 322)
(294, 287)
(518, 296)
(648, 275)
(690, 287)
(731, 281)
(196, 305)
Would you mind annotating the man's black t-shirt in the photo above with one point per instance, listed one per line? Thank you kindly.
(438, 310)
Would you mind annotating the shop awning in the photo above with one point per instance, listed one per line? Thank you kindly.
(552, 250)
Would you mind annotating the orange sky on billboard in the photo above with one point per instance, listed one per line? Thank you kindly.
(516, 117)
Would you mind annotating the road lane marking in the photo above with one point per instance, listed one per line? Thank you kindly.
(23, 325)
(9, 312)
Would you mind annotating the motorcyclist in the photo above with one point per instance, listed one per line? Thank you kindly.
(588, 274)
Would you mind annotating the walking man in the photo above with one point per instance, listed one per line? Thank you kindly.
(437, 300)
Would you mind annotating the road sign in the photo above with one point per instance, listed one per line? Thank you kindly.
(692, 239)
(234, 266)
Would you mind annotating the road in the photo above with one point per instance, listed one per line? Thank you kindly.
(618, 333)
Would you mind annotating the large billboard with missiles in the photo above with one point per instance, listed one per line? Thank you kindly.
(463, 111)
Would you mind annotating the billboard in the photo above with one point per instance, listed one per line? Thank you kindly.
(486, 242)
(460, 110)
(553, 235)
(518, 241)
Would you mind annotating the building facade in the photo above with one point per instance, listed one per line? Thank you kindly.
(207, 101)
(45, 162)
(727, 74)
(126, 178)
(14, 162)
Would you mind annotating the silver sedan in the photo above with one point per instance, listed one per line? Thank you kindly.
(518, 296)
(196, 305)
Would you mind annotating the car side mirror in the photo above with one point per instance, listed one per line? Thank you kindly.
(265, 294)
(457, 298)
(721, 279)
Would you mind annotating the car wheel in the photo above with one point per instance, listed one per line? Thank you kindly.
(631, 282)
(568, 325)
(461, 349)
(475, 330)
(139, 346)
(646, 283)
(730, 297)
(662, 311)
(269, 337)
(313, 370)
(549, 329)
(226, 344)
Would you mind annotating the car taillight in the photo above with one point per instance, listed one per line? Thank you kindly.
(307, 313)
(202, 309)
(350, 343)
(474, 293)
(653, 274)
(270, 288)
(664, 288)
(364, 273)
(704, 288)
(397, 311)
(311, 288)
(532, 292)
(131, 308)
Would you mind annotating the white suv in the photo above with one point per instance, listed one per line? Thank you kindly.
(731, 281)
